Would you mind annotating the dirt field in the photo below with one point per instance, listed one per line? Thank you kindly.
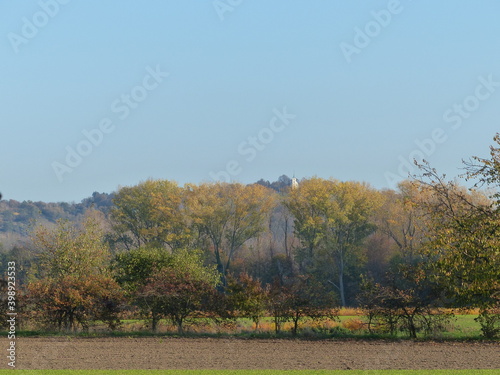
(172, 353)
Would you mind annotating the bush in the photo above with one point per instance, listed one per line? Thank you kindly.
(69, 302)
(246, 298)
(489, 319)
(390, 309)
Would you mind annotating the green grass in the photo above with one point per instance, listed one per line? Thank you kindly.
(462, 327)
(255, 372)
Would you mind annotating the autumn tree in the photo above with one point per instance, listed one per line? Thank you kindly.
(401, 230)
(228, 215)
(308, 205)
(73, 286)
(151, 213)
(400, 218)
(298, 297)
(68, 301)
(279, 304)
(286, 228)
(70, 250)
(246, 298)
(308, 298)
(332, 219)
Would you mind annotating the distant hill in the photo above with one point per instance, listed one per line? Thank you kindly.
(16, 218)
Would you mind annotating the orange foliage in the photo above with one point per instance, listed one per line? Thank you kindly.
(353, 325)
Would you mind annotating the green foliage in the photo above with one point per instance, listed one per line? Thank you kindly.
(489, 319)
(132, 268)
(175, 295)
(192, 262)
(167, 285)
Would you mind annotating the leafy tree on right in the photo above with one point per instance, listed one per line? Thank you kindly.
(463, 247)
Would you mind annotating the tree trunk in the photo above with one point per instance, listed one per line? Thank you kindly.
(287, 250)
(221, 270)
(295, 324)
(180, 328)
(341, 280)
(256, 321)
(341, 288)
(154, 322)
(277, 323)
(412, 329)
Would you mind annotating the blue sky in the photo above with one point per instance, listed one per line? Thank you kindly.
(255, 89)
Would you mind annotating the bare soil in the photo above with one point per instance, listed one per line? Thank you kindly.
(209, 353)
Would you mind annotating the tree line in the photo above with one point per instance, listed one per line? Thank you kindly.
(227, 250)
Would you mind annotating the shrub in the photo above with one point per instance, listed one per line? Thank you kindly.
(69, 302)
(175, 295)
(489, 319)
(246, 298)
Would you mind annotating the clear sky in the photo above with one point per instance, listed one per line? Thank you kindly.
(100, 94)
